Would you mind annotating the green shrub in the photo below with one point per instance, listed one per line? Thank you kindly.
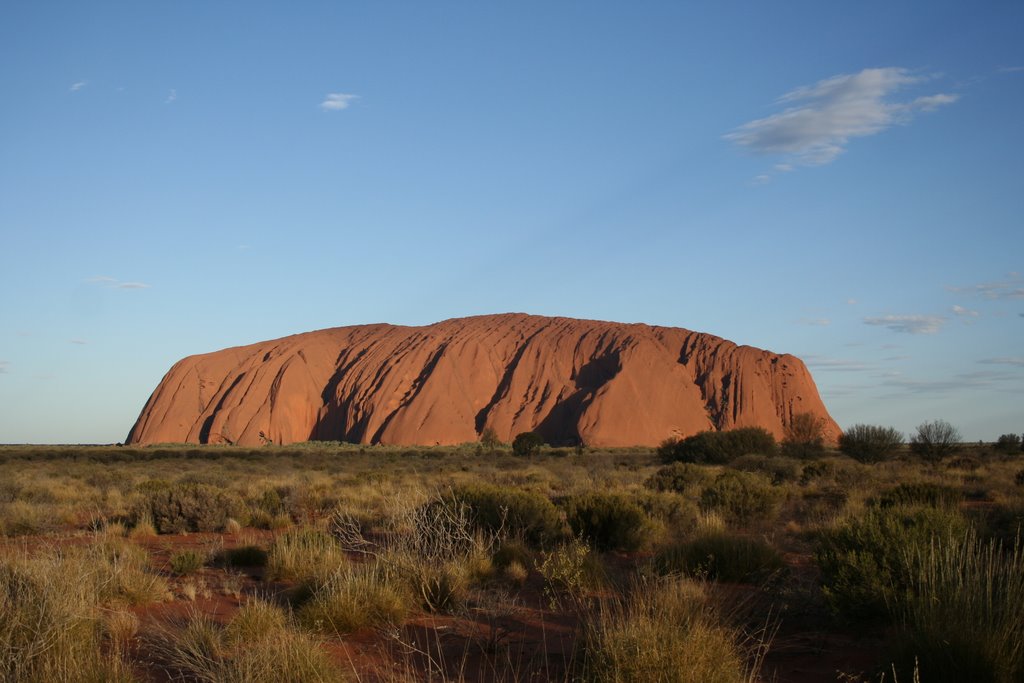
(676, 476)
(526, 514)
(740, 497)
(870, 443)
(512, 551)
(816, 470)
(186, 562)
(823, 503)
(722, 556)
(921, 493)
(179, 508)
(527, 444)
(609, 521)
(671, 509)
(863, 563)
(718, 448)
(570, 570)
(243, 556)
(777, 469)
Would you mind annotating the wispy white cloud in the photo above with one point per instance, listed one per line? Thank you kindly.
(825, 364)
(1011, 287)
(851, 302)
(114, 283)
(4, 365)
(1011, 69)
(964, 312)
(171, 96)
(908, 324)
(80, 342)
(827, 115)
(78, 85)
(815, 322)
(998, 381)
(336, 101)
(1016, 361)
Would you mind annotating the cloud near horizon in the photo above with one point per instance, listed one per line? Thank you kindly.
(1012, 287)
(336, 101)
(4, 364)
(828, 114)
(1015, 361)
(114, 283)
(908, 324)
(75, 87)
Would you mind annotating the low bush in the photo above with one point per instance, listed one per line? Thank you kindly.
(526, 514)
(863, 560)
(820, 504)
(302, 554)
(353, 598)
(205, 651)
(921, 493)
(663, 632)
(779, 469)
(961, 618)
(609, 521)
(178, 508)
(718, 448)
(570, 570)
(676, 477)
(721, 556)
(740, 497)
(54, 634)
(672, 510)
(186, 562)
(243, 556)
(870, 443)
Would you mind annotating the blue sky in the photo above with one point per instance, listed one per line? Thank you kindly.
(841, 181)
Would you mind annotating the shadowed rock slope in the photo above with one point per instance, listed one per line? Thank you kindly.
(602, 383)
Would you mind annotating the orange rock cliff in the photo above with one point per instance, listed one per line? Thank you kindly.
(599, 383)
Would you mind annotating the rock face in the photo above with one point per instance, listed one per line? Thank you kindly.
(602, 383)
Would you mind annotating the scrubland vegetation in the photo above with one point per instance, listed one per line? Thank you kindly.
(721, 557)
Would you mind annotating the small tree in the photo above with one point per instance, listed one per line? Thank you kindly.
(1008, 443)
(489, 439)
(804, 436)
(527, 444)
(870, 443)
(935, 440)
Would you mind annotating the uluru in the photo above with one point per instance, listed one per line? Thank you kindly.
(573, 381)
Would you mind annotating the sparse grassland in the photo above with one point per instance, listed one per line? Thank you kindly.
(324, 562)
